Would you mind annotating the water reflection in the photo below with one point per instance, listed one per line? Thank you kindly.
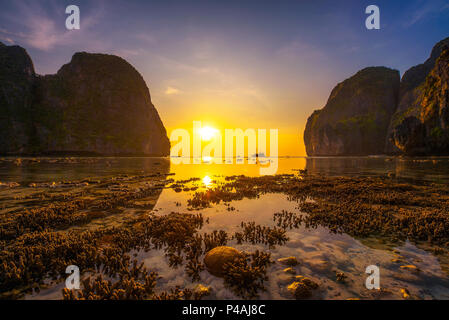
(418, 169)
(63, 169)
(32, 170)
(207, 181)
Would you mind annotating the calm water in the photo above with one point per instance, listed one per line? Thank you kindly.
(57, 169)
(320, 252)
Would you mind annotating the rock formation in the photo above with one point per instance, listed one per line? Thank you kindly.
(420, 125)
(16, 94)
(96, 104)
(356, 117)
(375, 113)
(216, 259)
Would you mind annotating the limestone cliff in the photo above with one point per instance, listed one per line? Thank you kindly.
(96, 104)
(420, 125)
(17, 80)
(356, 117)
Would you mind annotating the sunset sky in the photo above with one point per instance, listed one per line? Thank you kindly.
(233, 64)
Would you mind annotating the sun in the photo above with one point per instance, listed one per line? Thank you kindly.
(207, 133)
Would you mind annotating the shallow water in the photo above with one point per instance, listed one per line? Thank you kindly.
(321, 253)
(434, 169)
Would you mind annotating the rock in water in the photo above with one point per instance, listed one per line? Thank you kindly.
(201, 291)
(17, 79)
(289, 261)
(420, 125)
(290, 270)
(96, 104)
(356, 117)
(302, 288)
(216, 258)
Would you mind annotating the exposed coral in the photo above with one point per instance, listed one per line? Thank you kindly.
(245, 276)
(253, 233)
(302, 288)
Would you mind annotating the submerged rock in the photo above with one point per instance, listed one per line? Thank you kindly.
(319, 265)
(302, 288)
(6, 185)
(340, 276)
(216, 259)
(356, 116)
(405, 293)
(397, 260)
(201, 290)
(288, 261)
(410, 267)
(290, 270)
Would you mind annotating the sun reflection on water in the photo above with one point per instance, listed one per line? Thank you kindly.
(207, 181)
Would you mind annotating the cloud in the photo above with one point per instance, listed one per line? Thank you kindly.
(172, 91)
(7, 39)
(42, 28)
(146, 38)
(128, 53)
(296, 49)
(425, 10)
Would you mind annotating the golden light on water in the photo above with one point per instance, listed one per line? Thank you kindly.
(207, 181)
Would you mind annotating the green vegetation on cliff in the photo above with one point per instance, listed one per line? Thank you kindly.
(356, 116)
(420, 125)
